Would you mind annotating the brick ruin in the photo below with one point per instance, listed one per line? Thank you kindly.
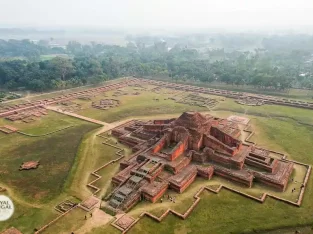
(138, 87)
(119, 92)
(195, 99)
(6, 110)
(162, 90)
(27, 116)
(65, 206)
(230, 94)
(249, 101)
(89, 203)
(124, 222)
(29, 165)
(8, 129)
(70, 106)
(85, 98)
(105, 104)
(170, 154)
(238, 119)
(11, 230)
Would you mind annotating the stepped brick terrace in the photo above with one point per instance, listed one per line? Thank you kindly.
(170, 154)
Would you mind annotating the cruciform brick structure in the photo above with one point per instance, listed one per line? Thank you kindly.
(169, 154)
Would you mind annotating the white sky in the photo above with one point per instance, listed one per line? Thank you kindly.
(156, 13)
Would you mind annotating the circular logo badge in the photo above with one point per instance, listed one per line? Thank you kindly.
(6, 208)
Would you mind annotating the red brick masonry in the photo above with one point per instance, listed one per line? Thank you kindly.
(171, 153)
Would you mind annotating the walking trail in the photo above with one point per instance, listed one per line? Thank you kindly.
(56, 109)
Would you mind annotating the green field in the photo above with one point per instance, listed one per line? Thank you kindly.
(56, 153)
(69, 156)
(35, 192)
(135, 106)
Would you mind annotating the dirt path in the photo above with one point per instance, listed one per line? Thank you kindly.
(56, 109)
(99, 218)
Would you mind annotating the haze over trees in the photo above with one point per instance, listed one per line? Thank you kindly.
(273, 62)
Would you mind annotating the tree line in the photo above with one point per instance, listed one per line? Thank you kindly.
(278, 69)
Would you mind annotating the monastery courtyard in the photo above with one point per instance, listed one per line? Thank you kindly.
(143, 156)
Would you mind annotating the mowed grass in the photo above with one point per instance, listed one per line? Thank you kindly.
(27, 218)
(304, 116)
(74, 220)
(227, 212)
(56, 153)
(137, 105)
(43, 125)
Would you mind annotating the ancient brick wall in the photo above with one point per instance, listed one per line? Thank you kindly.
(196, 143)
(163, 121)
(178, 150)
(153, 128)
(223, 137)
(198, 157)
(211, 142)
(228, 174)
(179, 134)
(142, 135)
(153, 199)
(160, 144)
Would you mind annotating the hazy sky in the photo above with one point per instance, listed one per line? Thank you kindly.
(156, 13)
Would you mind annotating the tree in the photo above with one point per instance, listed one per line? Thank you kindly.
(61, 66)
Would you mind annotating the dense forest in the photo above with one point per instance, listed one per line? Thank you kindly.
(277, 62)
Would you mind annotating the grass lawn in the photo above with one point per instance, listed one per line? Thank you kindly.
(271, 111)
(72, 221)
(43, 125)
(132, 105)
(26, 218)
(36, 192)
(56, 153)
